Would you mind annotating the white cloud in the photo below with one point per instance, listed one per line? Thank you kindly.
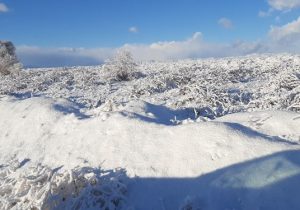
(225, 23)
(286, 37)
(286, 33)
(284, 4)
(3, 8)
(266, 14)
(133, 29)
(194, 47)
(279, 5)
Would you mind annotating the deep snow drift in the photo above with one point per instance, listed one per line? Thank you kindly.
(63, 147)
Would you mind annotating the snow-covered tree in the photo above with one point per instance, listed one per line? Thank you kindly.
(121, 67)
(8, 59)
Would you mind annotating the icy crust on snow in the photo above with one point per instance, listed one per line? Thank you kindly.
(213, 87)
(55, 154)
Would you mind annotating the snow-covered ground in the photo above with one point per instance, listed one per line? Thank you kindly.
(213, 87)
(204, 134)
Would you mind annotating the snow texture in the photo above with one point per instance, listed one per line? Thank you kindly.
(195, 134)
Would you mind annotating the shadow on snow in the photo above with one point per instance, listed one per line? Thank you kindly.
(271, 182)
(163, 115)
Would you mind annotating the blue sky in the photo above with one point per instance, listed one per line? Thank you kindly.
(91, 31)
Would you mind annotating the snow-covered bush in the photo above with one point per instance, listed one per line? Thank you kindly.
(121, 67)
(8, 59)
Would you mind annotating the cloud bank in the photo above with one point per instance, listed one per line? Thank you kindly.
(55, 57)
(285, 38)
(193, 47)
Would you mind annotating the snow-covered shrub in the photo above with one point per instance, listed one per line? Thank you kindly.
(122, 67)
(8, 59)
(290, 81)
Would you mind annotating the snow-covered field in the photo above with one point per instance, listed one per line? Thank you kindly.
(193, 134)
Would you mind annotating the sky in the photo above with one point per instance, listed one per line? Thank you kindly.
(77, 32)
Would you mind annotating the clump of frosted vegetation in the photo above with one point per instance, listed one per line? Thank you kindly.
(8, 60)
(121, 67)
(40, 187)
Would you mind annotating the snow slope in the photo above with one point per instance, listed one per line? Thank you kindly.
(168, 166)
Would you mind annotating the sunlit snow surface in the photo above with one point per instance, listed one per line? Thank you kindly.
(204, 134)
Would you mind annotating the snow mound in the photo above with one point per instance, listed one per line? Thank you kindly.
(282, 124)
(51, 152)
(57, 132)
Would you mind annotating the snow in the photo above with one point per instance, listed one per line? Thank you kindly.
(37, 131)
(137, 149)
(269, 123)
